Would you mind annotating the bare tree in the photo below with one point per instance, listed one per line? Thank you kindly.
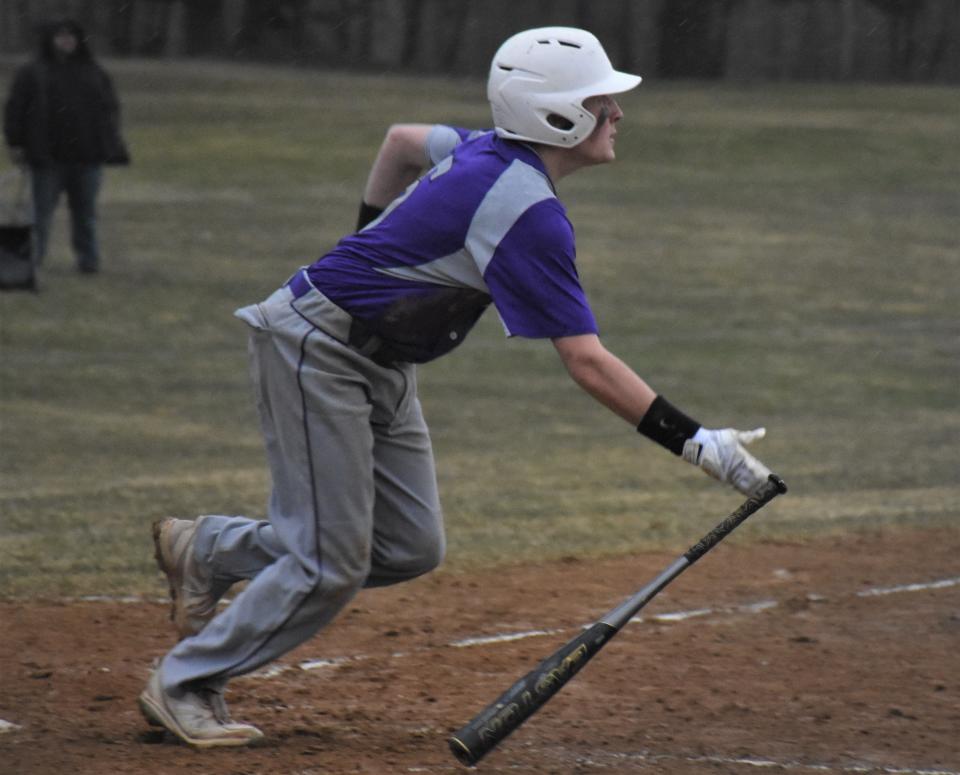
(740, 39)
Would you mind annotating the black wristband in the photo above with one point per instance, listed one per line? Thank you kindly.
(367, 214)
(667, 425)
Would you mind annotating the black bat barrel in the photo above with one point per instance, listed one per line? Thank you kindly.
(526, 696)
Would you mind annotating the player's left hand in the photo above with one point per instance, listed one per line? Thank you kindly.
(722, 454)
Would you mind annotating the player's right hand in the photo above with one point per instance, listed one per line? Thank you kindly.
(722, 454)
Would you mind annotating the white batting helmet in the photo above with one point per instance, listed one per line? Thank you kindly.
(539, 79)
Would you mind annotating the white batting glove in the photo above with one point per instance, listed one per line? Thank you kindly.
(721, 454)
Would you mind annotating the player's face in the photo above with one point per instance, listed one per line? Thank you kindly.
(598, 147)
(65, 41)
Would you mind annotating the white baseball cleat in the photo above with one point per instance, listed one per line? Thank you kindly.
(192, 594)
(199, 718)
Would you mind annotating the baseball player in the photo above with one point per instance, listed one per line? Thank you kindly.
(451, 222)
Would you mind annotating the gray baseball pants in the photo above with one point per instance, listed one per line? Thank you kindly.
(354, 497)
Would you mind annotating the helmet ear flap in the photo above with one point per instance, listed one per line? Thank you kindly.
(562, 123)
(568, 132)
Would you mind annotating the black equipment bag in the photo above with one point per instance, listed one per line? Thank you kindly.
(17, 265)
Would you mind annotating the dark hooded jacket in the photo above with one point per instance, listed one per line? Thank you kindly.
(64, 109)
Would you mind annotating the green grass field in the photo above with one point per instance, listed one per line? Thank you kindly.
(786, 255)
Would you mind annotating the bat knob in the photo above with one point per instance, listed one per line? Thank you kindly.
(777, 482)
(463, 754)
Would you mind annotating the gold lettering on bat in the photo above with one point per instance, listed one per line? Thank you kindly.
(506, 717)
(512, 714)
(551, 681)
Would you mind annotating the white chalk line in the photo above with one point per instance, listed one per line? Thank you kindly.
(941, 584)
(115, 599)
(318, 664)
(664, 618)
(505, 638)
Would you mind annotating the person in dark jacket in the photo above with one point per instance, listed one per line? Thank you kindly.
(62, 119)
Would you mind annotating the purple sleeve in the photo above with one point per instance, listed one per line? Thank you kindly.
(533, 279)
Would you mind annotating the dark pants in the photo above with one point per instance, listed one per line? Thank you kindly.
(82, 184)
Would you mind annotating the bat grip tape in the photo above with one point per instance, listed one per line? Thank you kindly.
(773, 487)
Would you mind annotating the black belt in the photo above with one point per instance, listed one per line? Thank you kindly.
(345, 328)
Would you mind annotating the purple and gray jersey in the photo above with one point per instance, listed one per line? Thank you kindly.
(483, 225)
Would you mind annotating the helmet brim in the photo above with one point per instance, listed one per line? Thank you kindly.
(615, 83)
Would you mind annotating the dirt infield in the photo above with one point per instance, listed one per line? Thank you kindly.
(830, 657)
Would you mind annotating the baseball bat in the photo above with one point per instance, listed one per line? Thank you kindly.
(489, 727)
